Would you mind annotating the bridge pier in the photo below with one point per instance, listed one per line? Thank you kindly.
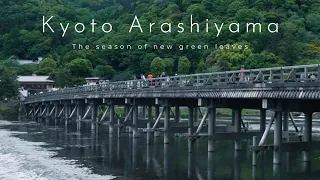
(177, 114)
(237, 124)
(135, 120)
(263, 115)
(56, 113)
(66, 114)
(79, 115)
(233, 117)
(277, 138)
(166, 138)
(149, 113)
(190, 128)
(307, 135)
(111, 118)
(144, 110)
(285, 127)
(211, 126)
(94, 114)
(196, 114)
(47, 113)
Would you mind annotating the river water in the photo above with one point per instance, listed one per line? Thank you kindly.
(32, 151)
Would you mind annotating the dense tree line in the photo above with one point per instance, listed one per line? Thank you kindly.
(21, 34)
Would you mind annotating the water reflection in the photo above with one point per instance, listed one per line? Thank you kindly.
(211, 165)
(191, 165)
(236, 162)
(166, 160)
(277, 171)
(132, 158)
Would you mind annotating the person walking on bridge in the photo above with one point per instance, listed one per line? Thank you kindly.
(150, 76)
(242, 74)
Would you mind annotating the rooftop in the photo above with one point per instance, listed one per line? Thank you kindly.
(43, 79)
(92, 78)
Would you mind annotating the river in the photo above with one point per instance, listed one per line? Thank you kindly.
(32, 151)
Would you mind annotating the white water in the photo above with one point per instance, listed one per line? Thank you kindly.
(26, 160)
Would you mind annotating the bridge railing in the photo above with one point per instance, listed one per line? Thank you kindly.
(303, 73)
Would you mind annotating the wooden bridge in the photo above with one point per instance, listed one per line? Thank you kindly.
(281, 90)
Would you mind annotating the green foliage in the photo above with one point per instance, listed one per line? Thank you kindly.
(229, 59)
(46, 67)
(80, 67)
(201, 66)
(21, 35)
(47, 63)
(157, 66)
(105, 72)
(184, 65)
(264, 59)
(8, 84)
(62, 78)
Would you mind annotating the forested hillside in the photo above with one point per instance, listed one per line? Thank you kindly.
(297, 41)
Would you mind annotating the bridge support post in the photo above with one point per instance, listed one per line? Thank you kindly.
(285, 127)
(135, 120)
(157, 111)
(149, 113)
(118, 128)
(79, 115)
(66, 114)
(94, 114)
(177, 114)
(233, 117)
(148, 133)
(144, 109)
(263, 115)
(237, 124)
(126, 110)
(47, 113)
(196, 114)
(40, 113)
(307, 135)
(190, 128)
(211, 126)
(56, 112)
(277, 138)
(111, 111)
(166, 123)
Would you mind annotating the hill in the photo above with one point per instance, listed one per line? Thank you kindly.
(22, 24)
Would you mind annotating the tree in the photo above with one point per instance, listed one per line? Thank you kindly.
(105, 72)
(312, 50)
(62, 78)
(264, 59)
(184, 65)
(45, 71)
(8, 84)
(168, 65)
(47, 63)
(157, 66)
(313, 22)
(80, 67)
(46, 67)
(229, 58)
(201, 66)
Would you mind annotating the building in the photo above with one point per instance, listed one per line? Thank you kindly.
(35, 84)
(25, 61)
(94, 81)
